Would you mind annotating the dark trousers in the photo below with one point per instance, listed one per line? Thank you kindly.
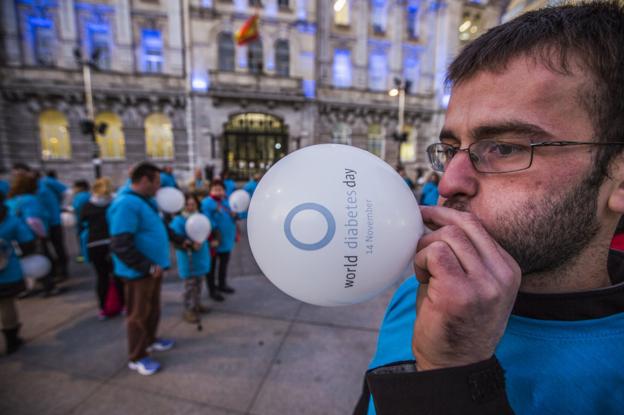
(220, 260)
(58, 243)
(47, 281)
(103, 264)
(143, 305)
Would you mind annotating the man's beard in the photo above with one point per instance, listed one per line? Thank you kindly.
(542, 235)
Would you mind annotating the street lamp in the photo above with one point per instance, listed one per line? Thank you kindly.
(400, 88)
(87, 125)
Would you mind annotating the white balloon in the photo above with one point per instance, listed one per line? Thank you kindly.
(239, 201)
(35, 266)
(170, 199)
(198, 227)
(333, 225)
(68, 219)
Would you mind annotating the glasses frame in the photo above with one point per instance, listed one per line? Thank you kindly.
(472, 156)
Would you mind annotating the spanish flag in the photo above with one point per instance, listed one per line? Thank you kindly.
(248, 31)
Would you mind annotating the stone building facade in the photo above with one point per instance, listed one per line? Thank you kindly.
(173, 87)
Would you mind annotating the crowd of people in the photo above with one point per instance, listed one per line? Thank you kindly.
(126, 237)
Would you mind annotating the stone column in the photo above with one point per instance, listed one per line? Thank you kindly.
(122, 53)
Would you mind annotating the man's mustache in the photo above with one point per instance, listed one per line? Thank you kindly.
(457, 203)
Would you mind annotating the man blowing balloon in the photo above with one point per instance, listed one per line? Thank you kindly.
(516, 311)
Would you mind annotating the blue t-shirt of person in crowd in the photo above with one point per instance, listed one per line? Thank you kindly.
(200, 260)
(250, 187)
(4, 187)
(137, 215)
(56, 186)
(230, 186)
(167, 180)
(28, 206)
(221, 219)
(49, 202)
(12, 229)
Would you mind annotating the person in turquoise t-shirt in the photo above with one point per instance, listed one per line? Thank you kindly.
(228, 184)
(217, 209)
(79, 200)
(429, 195)
(12, 229)
(250, 186)
(193, 262)
(140, 247)
(513, 309)
(166, 177)
(53, 183)
(4, 187)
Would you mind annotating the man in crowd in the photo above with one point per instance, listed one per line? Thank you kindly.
(140, 247)
(516, 311)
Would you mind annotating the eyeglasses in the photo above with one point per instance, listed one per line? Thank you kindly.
(497, 156)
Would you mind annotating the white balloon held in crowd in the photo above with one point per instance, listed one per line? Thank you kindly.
(333, 225)
(239, 201)
(68, 219)
(35, 266)
(198, 227)
(170, 199)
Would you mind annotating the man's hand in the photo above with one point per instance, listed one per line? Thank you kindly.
(156, 271)
(468, 288)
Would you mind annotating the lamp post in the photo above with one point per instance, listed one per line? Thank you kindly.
(400, 136)
(87, 125)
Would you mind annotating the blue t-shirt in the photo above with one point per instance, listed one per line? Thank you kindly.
(250, 187)
(167, 180)
(4, 187)
(131, 213)
(79, 201)
(12, 229)
(230, 186)
(50, 203)
(28, 206)
(221, 220)
(200, 264)
(429, 195)
(551, 367)
(56, 186)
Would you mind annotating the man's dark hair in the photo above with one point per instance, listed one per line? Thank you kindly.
(144, 169)
(52, 174)
(590, 34)
(215, 183)
(81, 185)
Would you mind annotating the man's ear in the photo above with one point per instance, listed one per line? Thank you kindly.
(616, 198)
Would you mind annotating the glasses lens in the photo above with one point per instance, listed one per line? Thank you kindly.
(500, 156)
(440, 155)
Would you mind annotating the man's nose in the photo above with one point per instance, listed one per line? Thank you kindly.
(459, 177)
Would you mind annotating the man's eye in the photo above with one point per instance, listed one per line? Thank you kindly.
(505, 149)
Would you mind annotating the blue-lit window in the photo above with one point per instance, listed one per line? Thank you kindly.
(282, 57)
(152, 51)
(226, 51)
(379, 16)
(99, 40)
(411, 70)
(377, 71)
(412, 17)
(255, 57)
(42, 41)
(309, 88)
(206, 3)
(342, 68)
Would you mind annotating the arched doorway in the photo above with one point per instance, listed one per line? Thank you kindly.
(253, 142)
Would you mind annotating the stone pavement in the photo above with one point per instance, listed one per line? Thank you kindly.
(260, 352)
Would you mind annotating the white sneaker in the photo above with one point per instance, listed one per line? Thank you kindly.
(160, 345)
(145, 366)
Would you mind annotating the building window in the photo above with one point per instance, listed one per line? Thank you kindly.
(206, 3)
(43, 40)
(99, 40)
(54, 135)
(255, 3)
(283, 4)
(342, 13)
(379, 16)
(408, 149)
(376, 140)
(411, 70)
(412, 17)
(152, 51)
(158, 136)
(342, 68)
(377, 71)
(226, 51)
(112, 143)
(255, 56)
(282, 57)
(341, 134)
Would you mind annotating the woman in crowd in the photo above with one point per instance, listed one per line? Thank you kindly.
(24, 204)
(12, 230)
(217, 209)
(193, 261)
(429, 196)
(93, 215)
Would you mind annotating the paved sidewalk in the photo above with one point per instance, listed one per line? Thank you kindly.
(260, 352)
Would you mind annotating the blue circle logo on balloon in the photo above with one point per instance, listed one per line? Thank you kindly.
(329, 218)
